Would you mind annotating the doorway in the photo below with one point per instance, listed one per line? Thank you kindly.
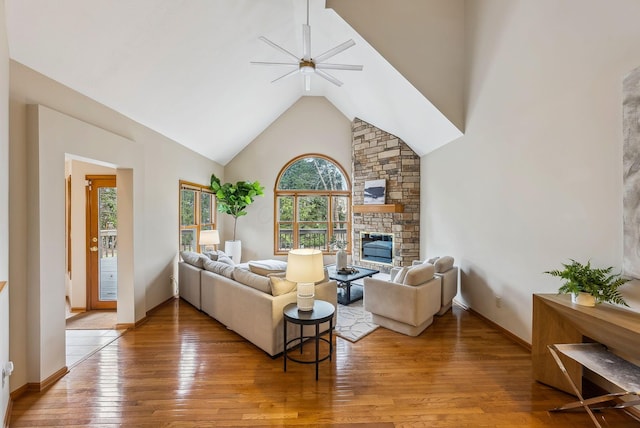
(102, 242)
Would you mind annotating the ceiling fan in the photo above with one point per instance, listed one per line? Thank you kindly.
(308, 65)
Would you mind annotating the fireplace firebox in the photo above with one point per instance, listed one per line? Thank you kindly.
(376, 247)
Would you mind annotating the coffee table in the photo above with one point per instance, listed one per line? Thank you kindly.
(347, 292)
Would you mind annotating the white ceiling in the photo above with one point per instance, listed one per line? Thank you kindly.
(181, 67)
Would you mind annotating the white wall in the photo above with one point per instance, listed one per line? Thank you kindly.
(422, 39)
(311, 125)
(537, 179)
(150, 167)
(4, 210)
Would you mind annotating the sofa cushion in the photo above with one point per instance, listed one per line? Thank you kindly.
(419, 274)
(281, 286)
(402, 273)
(432, 260)
(443, 264)
(224, 258)
(219, 268)
(213, 255)
(193, 258)
(252, 280)
(266, 267)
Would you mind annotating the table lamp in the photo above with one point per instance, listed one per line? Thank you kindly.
(209, 238)
(305, 267)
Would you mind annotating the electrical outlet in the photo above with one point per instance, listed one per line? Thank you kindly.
(498, 302)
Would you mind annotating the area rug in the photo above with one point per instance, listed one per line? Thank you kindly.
(354, 322)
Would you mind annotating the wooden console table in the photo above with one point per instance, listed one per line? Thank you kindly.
(557, 320)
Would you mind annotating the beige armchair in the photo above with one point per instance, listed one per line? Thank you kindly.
(445, 269)
(407, 304)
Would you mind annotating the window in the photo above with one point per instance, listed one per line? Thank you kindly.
(312, 204)
(197, 212)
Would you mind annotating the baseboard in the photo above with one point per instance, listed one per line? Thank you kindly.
(503, 330)
(41, 386)
(146, 317)
(18, 392)
(155, 308)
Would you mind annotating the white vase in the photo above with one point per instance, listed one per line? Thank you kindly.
(341, 260)
(583, 299)
(234, 250)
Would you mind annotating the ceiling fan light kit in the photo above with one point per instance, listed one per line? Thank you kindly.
(308, 65)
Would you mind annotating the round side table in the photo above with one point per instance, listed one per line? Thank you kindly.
(321, 313)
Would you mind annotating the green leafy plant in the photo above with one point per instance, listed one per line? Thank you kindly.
(233, 199)
(600, 283)
(338, 243)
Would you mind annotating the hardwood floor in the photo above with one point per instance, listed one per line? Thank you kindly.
(183, 369)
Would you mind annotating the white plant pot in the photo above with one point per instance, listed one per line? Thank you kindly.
(583, 299)
(234, 250)
(341, 260)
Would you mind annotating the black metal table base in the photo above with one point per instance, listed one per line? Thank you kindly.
(325, 313)
(349, 293)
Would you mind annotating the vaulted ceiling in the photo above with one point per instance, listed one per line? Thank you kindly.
(182, 68)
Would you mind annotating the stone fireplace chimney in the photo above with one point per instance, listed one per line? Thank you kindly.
(376, 154)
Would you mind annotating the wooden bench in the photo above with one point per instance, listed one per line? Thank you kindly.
(596, 357)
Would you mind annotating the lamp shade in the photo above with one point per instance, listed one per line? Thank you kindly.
(305, 265)
(209, 237)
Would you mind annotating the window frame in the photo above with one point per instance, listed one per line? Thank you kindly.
(299, 193)
(198, 225)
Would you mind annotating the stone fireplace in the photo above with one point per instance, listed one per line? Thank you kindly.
(376, 154)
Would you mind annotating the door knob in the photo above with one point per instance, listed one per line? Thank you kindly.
(93, 249)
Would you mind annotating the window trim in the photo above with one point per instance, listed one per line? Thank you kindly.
(296, 193)
(198, 188)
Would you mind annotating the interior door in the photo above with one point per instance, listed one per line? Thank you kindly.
(102, 242)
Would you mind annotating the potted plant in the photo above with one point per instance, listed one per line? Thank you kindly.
(233, 199)
(588, 285)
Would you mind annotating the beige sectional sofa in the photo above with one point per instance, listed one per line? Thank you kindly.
(246, 302)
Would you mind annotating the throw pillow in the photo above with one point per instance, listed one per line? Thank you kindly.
(266, 267)
(192, 258)
(281, 286)
(213, 255)
(252, 280)
(432, 260)
(223, 258)
(419, 274)
(219, 268)
(443, 264)
(399, 278)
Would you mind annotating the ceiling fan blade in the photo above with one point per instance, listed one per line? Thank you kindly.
(278, 47)
(274, 63)
(284, 76)
(306, 42)
(307, 82)
(328, 77)
(325, 66)
(335, 51)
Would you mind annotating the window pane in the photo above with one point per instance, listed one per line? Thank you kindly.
(187, 207)
(313, 208)
(312, 173)
(285, 208)
(206, 213)
(285, 236)
(188, 240)
(313, 235)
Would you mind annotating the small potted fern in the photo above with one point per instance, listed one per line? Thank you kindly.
(588, 285)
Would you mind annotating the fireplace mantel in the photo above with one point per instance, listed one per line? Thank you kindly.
(378, 208)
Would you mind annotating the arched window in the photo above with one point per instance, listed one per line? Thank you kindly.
(312, 204)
